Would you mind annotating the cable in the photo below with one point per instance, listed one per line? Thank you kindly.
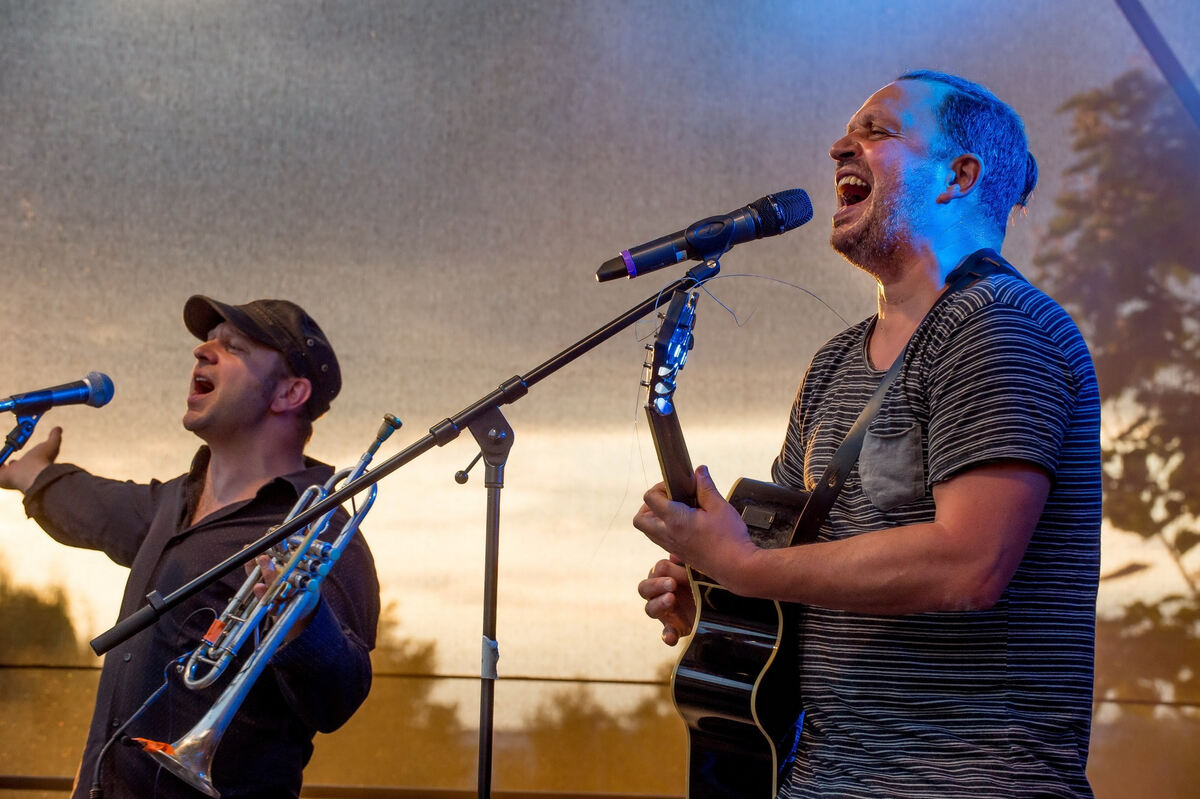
(97, 792)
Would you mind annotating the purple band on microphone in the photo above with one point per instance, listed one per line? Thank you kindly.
(629, 265)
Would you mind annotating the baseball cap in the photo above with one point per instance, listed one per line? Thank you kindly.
(283, 326)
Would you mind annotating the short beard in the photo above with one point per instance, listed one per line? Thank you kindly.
(879, 243)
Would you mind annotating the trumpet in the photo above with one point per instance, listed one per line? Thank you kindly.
(301, 563)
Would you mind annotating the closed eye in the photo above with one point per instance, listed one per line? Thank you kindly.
(231, 344)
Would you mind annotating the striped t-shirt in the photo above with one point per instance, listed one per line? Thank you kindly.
(993, 703)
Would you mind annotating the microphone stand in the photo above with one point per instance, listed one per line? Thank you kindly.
(494, 445)
(495, 438)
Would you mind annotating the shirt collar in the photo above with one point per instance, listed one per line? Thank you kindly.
(314, 472)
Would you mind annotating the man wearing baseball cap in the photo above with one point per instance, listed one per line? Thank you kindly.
(263, 371)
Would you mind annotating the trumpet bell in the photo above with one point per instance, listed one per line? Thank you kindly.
(190, 759)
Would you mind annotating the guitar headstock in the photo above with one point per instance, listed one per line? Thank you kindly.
(669, 352)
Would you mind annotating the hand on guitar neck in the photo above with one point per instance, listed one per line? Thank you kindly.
(712, 537)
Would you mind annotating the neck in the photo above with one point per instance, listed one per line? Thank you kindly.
(238, 468)
(909, 287)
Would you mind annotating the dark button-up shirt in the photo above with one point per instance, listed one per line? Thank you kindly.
(313, 683)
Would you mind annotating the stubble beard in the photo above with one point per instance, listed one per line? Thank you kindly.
(206, 423)
(878, 241)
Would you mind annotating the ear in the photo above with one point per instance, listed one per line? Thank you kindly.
(291, 394)
(965, 172)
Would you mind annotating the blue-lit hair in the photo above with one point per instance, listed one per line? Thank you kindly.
(974, 120)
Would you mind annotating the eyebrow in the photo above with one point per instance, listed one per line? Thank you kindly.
(227, 332)
(868, 118)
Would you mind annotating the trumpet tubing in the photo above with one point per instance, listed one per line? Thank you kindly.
(300, 562)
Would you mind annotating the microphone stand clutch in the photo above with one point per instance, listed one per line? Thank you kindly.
(19, 435)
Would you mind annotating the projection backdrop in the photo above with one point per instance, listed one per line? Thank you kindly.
(437, 183)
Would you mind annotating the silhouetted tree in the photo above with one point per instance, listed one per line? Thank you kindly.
(402, 735)
(1123, 254)
(35, 627)
(572, 742)
(38, 704)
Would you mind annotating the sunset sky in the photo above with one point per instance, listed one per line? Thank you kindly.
(437, 184)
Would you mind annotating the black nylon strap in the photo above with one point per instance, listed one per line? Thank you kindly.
(978, 265)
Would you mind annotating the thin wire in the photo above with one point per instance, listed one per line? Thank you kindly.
(635, 448)
(636, 443)
(96, 791)
(703, 285)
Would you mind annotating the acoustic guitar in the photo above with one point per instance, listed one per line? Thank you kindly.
(736, 684)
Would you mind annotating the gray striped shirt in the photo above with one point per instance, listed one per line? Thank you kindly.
(993, 703)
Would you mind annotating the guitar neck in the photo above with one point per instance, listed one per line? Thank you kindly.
(673, 456)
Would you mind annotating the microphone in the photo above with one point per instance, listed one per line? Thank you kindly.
(95, 390)
(713, 237)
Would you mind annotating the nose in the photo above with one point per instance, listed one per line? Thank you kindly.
(204, 351)
(844, 148)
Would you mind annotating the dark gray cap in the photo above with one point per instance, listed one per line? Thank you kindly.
(283, 326)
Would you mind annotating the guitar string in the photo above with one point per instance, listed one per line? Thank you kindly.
(637, 453)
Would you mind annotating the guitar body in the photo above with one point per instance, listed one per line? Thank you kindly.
(736, 683)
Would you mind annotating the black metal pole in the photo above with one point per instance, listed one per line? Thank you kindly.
(439, 435)
(1164, 57)
(495, 438)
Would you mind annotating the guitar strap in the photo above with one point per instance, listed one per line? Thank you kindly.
(978, 265)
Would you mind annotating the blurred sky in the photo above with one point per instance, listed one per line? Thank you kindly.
(437, 183)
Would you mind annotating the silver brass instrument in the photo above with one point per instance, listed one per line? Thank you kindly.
(301, 562)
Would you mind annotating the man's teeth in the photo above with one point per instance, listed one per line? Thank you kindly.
(852, 190)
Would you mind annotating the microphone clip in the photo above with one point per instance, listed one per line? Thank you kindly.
(19, 435)
(711, 238)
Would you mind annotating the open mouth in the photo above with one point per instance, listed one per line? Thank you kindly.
(201, 385)
(852, 190)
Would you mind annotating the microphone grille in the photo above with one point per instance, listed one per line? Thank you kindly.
(100, 388)
(791, 208)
